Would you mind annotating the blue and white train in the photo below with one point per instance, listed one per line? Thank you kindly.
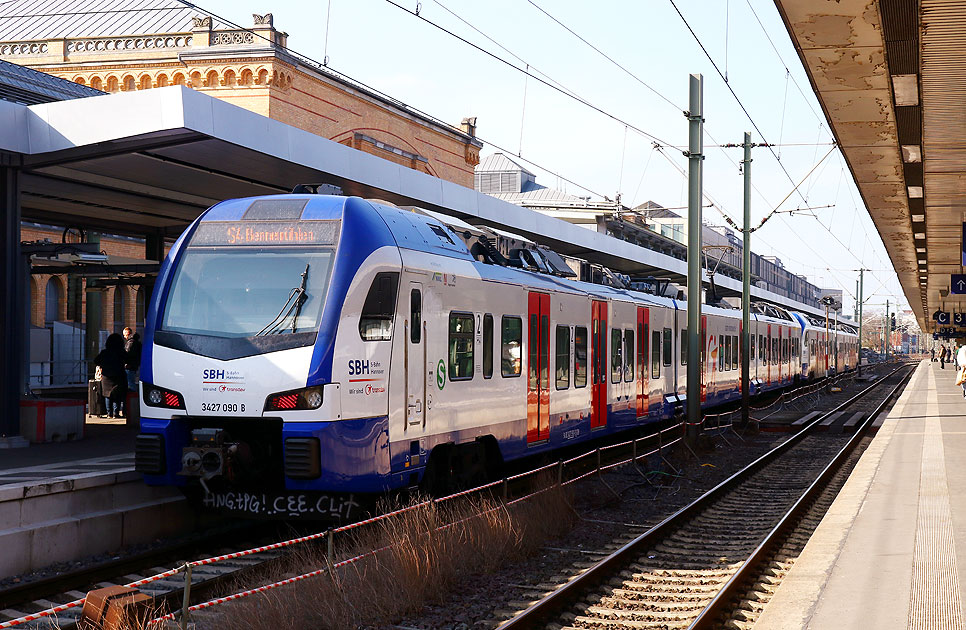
(303, 351)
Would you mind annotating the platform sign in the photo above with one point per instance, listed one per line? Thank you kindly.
(959, 319)
(942, 318)
(957, 283)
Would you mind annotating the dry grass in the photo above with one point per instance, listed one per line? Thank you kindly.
(423, 563)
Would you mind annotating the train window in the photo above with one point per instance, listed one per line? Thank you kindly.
(616, 355)
(684, 346)
(751, 340)
(729, 352)
(762, 348)
(460, 346)
(487, 346)
(375, 321)
(656, 354)
(415, 316)
(580, 356)
(563, 357)
(511, 343)
(721, 353)
(734, 352)
(628, 355)
(668, 346)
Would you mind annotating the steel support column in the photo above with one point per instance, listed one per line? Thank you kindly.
(746, 286)
(858, 369)
(12, 311)
(695, 115)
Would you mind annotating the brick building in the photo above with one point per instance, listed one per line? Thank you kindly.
(112, 45)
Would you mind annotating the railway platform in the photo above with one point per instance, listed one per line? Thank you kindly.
(66, 501)
(886, 554)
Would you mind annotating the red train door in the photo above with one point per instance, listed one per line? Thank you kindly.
(598, 361)
(538, 368)
(643, 334)
(704, 357)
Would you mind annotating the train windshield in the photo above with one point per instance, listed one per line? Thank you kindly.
(248, 291)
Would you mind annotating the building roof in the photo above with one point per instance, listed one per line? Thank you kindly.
(28, 86)
(500, 162)
(26, 20)
(534, 193)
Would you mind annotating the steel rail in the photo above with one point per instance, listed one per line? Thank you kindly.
(551, 606)
(776, 537)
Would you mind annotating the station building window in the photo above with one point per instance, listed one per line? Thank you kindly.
(580, 356)
(460, 346)
(511, 343)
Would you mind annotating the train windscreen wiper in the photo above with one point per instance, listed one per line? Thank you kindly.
(292, 306)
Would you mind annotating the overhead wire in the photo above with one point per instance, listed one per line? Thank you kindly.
(548, 84)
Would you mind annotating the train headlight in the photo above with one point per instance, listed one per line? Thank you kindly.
(295, 399)
(159, 397)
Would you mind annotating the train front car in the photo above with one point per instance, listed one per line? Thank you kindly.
(238, 403)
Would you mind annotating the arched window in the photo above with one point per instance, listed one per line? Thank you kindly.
(246, 77)
(119, 308)
(80, 81)
(129, 84)
(112, 84)
(96, 83)
(162, 80)
(230, 78)
(145, 83)
(196, 81)
(211, 80)
(52, 302)
(263, 77)
(179, 79)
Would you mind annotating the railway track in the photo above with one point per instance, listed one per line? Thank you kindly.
(31, 597)
(718, 559)
(168, 593)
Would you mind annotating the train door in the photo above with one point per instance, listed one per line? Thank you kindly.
(598, 363)
(643, 384)
(415, 359)
(538, 368)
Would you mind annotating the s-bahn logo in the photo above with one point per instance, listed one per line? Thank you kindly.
(441, 374)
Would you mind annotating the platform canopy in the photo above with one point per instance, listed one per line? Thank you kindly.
(891, 78)
(151, 161)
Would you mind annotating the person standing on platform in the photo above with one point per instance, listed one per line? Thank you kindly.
(132, 353)
(113, 378)
(943, 353)
(932, 354)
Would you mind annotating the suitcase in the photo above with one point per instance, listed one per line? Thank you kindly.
(95, 401)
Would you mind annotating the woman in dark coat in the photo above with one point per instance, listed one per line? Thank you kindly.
(113, 378)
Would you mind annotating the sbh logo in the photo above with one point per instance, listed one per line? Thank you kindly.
(358, 367)
(211, 375)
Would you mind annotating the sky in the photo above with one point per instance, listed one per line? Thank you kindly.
(604, 145)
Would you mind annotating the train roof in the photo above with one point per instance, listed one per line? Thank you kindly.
(427, 233)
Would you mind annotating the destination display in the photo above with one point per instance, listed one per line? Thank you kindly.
(266, 233)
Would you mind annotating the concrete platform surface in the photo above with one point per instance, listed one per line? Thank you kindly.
(108, 444)
(886, 554)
